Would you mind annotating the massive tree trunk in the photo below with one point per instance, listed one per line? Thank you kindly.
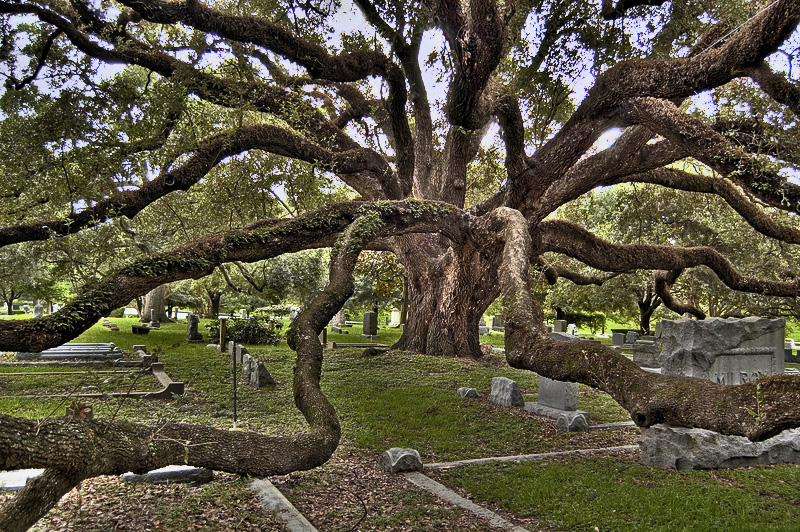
(447, 297)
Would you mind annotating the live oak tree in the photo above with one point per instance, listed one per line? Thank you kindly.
(397, 110)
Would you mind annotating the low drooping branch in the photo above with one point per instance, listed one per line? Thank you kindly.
(663, 280)
(258, 241)
(650, 398)
(751, 212)
(574, 241)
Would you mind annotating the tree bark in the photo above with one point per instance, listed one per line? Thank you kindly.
(447, 298)
(214, 299)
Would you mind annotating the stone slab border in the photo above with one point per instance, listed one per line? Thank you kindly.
(335, 345)
(274, 501)
(528, 457)
(157, 368)
(448, 495)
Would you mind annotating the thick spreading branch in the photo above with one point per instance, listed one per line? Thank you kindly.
(209, 153)
(74, 449)
(752, 213)
(258, 241)
(574, 241)
(661, 80)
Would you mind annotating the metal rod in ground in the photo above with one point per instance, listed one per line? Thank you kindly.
(234, 383)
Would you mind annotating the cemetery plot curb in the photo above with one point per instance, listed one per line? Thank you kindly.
(274, 501)
(446, 494)
(170, 389)
(528, 457)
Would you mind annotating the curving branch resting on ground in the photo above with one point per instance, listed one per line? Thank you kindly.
(75, 449)
(650, 398)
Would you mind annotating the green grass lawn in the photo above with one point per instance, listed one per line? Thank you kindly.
(400, 399)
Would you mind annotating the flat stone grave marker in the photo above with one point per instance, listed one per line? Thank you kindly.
(498, 324)
(173, 474)
(90, 351)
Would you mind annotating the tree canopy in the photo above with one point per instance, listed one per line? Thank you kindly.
(449, 133)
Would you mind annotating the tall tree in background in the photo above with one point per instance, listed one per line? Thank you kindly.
(226, 101)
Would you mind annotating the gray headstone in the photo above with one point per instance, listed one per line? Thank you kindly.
(558, 394)
(247, 367)
(370, 324)
(727, 351)
(467, 392)
(482, 323)
(38, 311)
(631, 337)
(497, 323)
(398, 460)
(240, 351)
(260, 376)
(484, 330)
(323, 336)
(192, 334)
(684, 448)
(560, 326)
(506, 392)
